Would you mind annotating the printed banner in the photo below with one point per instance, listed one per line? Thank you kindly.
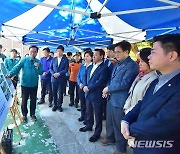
(6, 94)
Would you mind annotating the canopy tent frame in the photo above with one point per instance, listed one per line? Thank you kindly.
(57, 7)
(140, 10)
(100, 34)
(75, 28)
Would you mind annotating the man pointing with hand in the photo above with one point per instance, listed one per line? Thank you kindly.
(31, 69)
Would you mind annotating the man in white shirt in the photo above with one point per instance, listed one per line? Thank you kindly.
(58, 69)
(95, 82)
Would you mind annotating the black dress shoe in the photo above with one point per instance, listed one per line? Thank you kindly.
(76, 105)
(50, 104)
(71, 104)
(33, 118)
(81, 119)
(85, 129)
(41, 102)
(78, 109)
(24, 119)
(54, 108)
(94, 138)
(60, 109)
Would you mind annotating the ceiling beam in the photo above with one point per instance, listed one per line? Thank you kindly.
(139, 10)
(57, 7)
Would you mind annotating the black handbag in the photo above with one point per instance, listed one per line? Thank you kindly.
(7, 140)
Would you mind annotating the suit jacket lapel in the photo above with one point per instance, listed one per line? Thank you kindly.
(56, 62)
(96, 70)
(119, 66)
(117, 69)
(88, 72)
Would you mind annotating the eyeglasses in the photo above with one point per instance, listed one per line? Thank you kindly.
(119, 52)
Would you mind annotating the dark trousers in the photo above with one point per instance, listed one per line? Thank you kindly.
(57, 88)
(15, 81)
(83, 103)
(66, 84)
(104, 108)
(46, 86)
(26, 93)
(94, 108)
(72, 86)
(114, 116)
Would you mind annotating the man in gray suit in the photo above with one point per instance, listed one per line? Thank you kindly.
(123, 74)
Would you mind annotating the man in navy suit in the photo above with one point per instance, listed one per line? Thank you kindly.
(154, 121)
(97, 77)
(123, 74)
(58, 69)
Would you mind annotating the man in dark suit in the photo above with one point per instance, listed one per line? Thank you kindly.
(123, 74)
(97, 77)
(155, 119)
(58, 69)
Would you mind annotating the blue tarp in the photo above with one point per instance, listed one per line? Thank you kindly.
(68, 28)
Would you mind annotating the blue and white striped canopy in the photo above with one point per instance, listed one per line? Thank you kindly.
(75, 23)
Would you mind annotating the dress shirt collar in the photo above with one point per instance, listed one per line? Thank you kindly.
(166, 77)
(97, 64)
(47, 58)
(123, 61)
(87, 65)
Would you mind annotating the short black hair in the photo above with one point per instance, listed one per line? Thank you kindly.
(78, 54)
(14, 50)
(124, 45)
(52, 52)
(111, 47)
(101, 52)
(169, 42)
(89, 52)
(60, 47)
(34, 46)
(47, 49)
(87, 49)
(144, 53)
(1, 46)
(69, 53)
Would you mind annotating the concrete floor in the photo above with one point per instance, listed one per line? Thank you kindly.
(64, 128)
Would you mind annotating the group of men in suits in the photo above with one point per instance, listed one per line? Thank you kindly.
(53, 78)
(155, 118)
(97, 76)
(101, 84)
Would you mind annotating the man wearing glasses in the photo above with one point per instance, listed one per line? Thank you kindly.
(123, 74)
